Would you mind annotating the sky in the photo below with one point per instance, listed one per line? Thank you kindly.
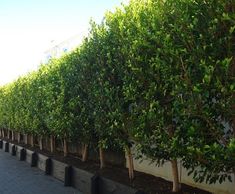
(28, 28)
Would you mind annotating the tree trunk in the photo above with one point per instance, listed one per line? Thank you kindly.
(176, 184)
(52, 143)
(18, 137)
(32, 140)
(85, 152)
(130, 163)
(26, 138)
(40, 143)
(8, 134)
(65, 148)
(102, 160)
(0, 132)
(13, 136)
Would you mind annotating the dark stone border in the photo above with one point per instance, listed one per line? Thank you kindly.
(41, 163)
(10, 147)
(58, 169)
(48, 166)
(29, 154)
(13, 150)
(84, 181)
(22, 154)
(107, 186)
(68, 176)
(6, 146)
(95, 184)
(1, 144)
(34, 159)
(18, 148)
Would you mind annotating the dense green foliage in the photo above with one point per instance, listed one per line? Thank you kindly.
(157, 74)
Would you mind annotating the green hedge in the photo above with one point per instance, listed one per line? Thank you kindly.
(155, 74)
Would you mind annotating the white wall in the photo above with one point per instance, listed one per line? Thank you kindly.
(165, 172)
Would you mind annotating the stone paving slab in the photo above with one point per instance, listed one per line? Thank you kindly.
(17, 177)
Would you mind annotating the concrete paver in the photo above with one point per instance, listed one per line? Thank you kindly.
(17, 177)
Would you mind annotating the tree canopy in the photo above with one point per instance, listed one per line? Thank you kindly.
(155, 74)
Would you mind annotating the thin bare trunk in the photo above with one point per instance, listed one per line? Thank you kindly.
(65, 147)
(32, 140)
(18, 137)
(85, 153)
(8, 134)
(175, 173)
(12, 136)
(40, 143)
(0, 132)
(102, 160)
(3, 133)
(176, 184)
(26, 139)
(52, 143)
(130, 163)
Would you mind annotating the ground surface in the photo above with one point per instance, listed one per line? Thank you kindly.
(17, 177)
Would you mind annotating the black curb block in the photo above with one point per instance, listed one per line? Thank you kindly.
(95, 184)
(13, 150)
(6, 147)
(68, 176)
(22, 154)
(48, 167)
(1, 144)
(34, 159)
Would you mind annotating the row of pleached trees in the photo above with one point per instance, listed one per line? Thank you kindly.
(157, 75)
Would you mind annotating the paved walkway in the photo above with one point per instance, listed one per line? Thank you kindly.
(17, 177)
